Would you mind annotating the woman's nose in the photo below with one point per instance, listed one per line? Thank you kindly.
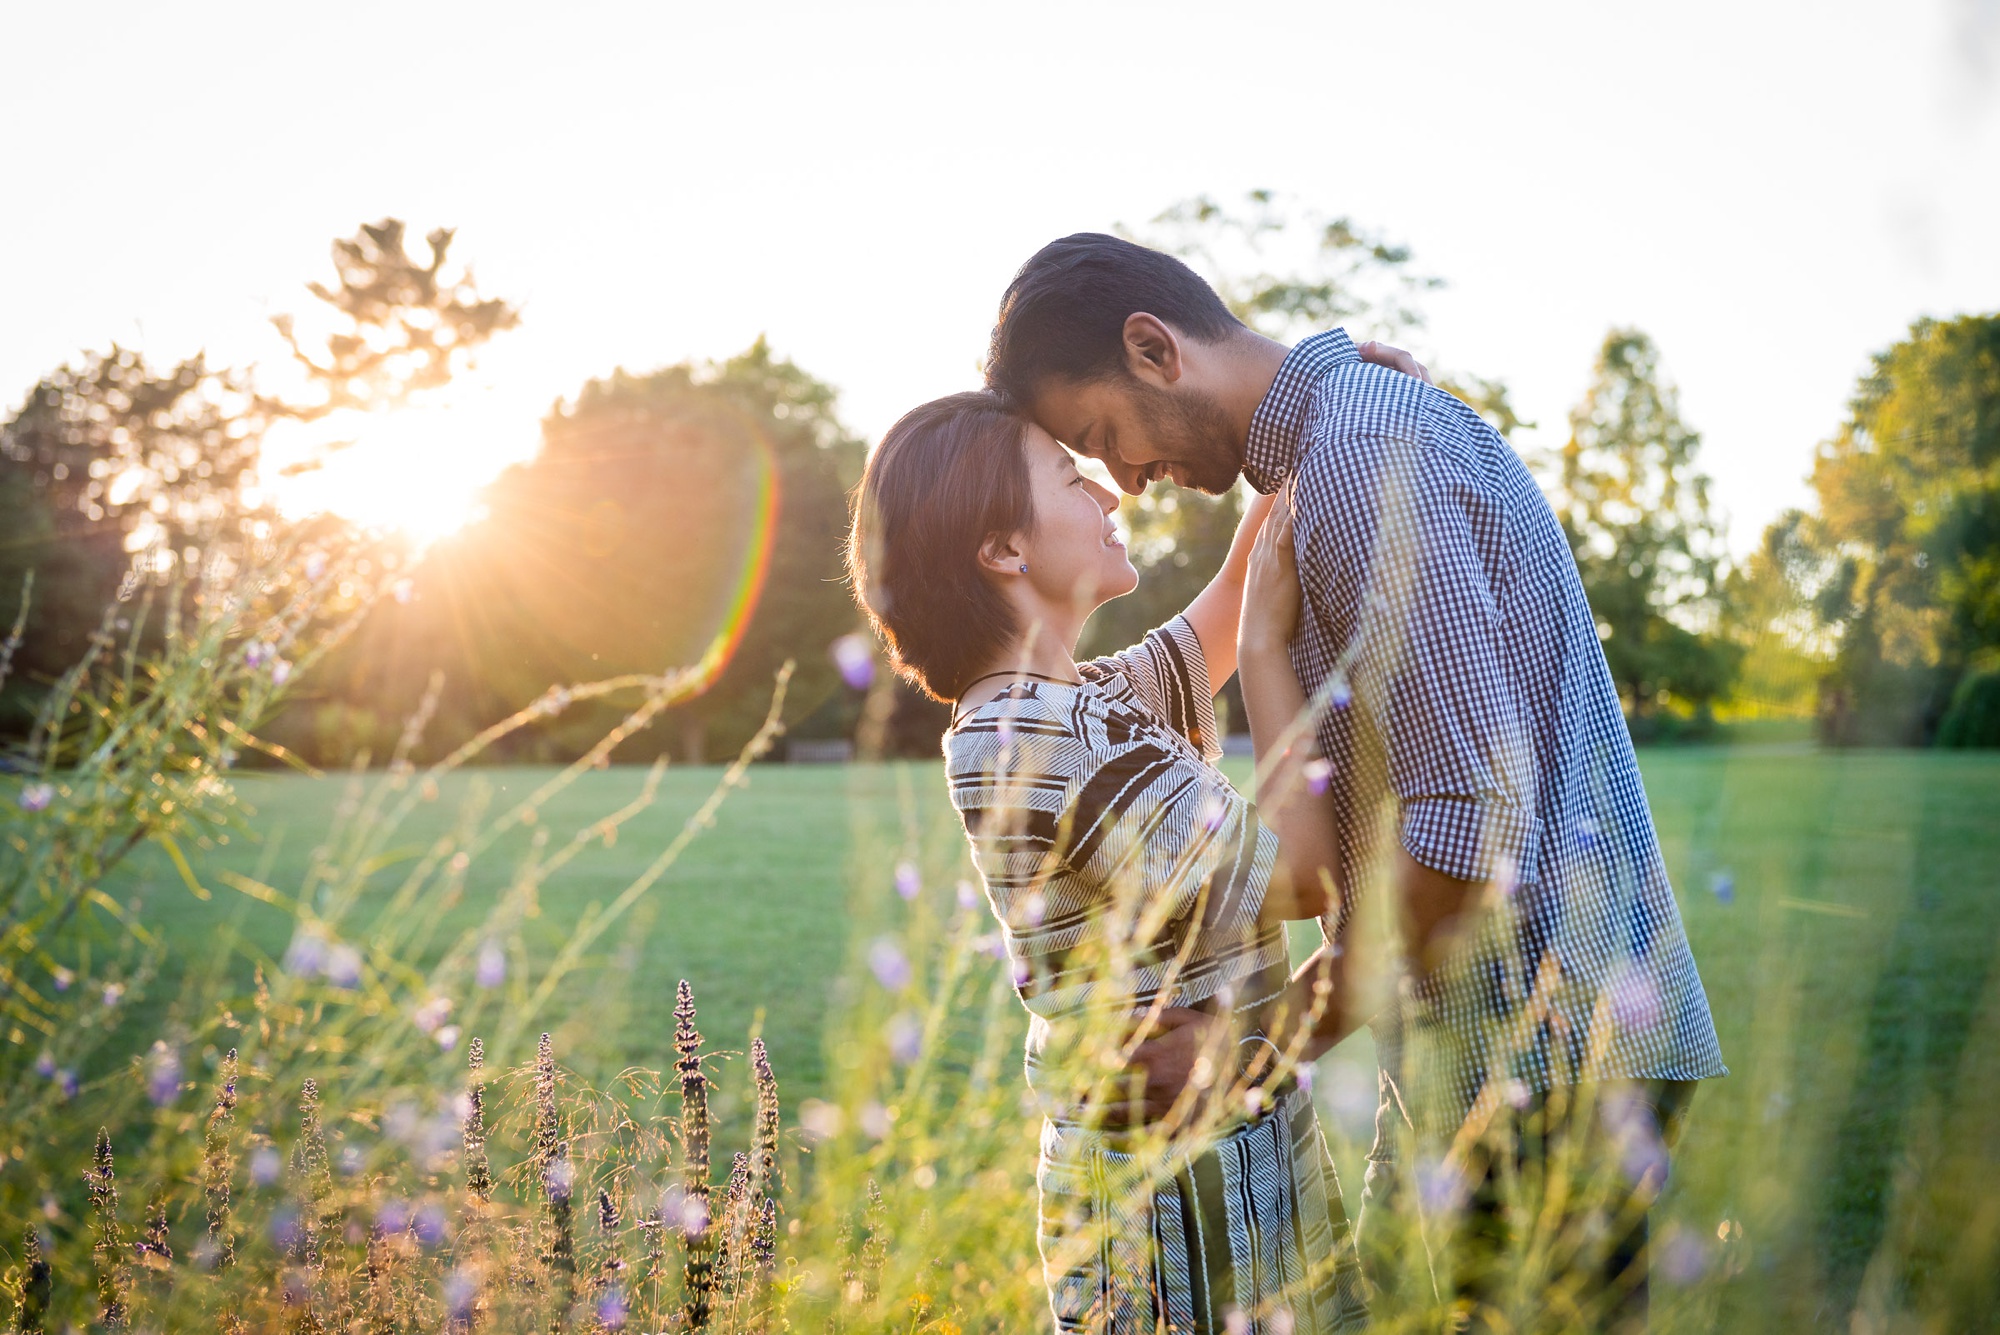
(1107, 499)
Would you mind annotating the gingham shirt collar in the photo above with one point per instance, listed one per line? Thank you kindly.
(1274, 430)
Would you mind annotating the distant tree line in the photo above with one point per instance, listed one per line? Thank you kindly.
(668, 508)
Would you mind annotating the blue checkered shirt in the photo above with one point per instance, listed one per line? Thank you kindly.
(1469, 706)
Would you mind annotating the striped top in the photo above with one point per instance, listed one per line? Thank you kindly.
(1121, 864)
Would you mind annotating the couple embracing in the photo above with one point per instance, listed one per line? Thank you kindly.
(1433, 724)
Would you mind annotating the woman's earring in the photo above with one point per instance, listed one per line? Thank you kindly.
(1024, 567)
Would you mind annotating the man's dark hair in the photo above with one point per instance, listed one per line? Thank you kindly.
(948, 475)
(1064, 314)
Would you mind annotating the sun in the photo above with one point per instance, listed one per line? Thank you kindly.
(418, 470)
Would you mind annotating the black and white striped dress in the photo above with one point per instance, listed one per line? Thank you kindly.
(1125, 869)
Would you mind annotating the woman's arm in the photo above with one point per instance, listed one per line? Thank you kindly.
(1292, 792)
(1215, 610)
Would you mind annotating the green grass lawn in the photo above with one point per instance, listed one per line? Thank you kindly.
(1849, 966)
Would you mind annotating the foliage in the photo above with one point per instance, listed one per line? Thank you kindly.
(1908, 532)
(1636, 510)
(664, 510)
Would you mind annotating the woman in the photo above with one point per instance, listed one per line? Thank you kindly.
(1127, 874)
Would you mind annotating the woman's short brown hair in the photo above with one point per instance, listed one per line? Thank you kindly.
(949, 474)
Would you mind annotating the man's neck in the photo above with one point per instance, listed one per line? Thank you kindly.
(1249, 366)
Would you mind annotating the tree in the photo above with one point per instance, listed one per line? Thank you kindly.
(1908, 534)
(663, 510)
(112, 469)
(1637, 514)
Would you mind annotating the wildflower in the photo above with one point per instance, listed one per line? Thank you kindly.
(220, 1245)
(764, 1137)
(265, 1166)
(1342, 694)
(313, 1180)
(286, 1231)
(1506, 875)
(478, 1173)
(611, 1309)
(1034, 908)
(1441, 1185)
(906, 1038)
(343, 966)
(113, 993)
(281, 672)
(491, 969)
(874, 1120)
(968, 895)
(1587, 831)
(1680, 1257)
(886, 961)
(392, 1216)
(1318, 774)
(45, 1066)
(1635, 997)
(37, 796)
(66, 1082)
(163, 1074)
(461, 1295)
(429, 1224)
(256, 654)
(431, 1015)
(307, 954)
(820, 1119)
(1214, 811)
(855, 658)
(37, 1283)
(109, 1250)
(908, 884)
(698, 1276)
(559, 1180)
(447, 1037)
(63, 978)
(1722, 884)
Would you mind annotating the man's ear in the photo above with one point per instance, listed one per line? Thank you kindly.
(1000, 554)
(1152, 349)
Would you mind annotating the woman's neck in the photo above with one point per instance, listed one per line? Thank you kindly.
(1038, 653)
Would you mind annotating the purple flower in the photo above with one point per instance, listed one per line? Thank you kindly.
(855, 658)
(285, 1232)
(968, 895)
(392, 1216)
(461, 1293)
(281, 672)
(429, 1224)
(1635, 997)
(1342, 694)
(63, 978)
(908, 884)
(265, 1166)
(447, 1037)
(37, 796)
(891, 969)
(307, 953)
(163, 1075)
(343, 966)
(491, 970)
(431, 1015)
(1319, 776)
(114, 993)
(906, 1038)
(694, 1216)
(1681, 1257)
(45, 1066)
(1214, 811)
(349, 1160)
(560, 1179)
(66, 1082)
(874, 1120)
(1034, 908)
(1723, 884)
(1441, 1185)
(256, 654)
(611, 1309)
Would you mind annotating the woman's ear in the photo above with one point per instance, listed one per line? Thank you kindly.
(1001, 554)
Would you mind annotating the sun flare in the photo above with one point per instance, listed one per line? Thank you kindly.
(419, 470)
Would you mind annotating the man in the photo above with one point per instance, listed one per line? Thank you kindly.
(1466, 696)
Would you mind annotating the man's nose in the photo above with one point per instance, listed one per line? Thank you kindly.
(1130, 479)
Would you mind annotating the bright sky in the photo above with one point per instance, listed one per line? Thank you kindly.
(1771, 190)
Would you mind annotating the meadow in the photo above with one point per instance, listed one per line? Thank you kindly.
(1844, 908)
